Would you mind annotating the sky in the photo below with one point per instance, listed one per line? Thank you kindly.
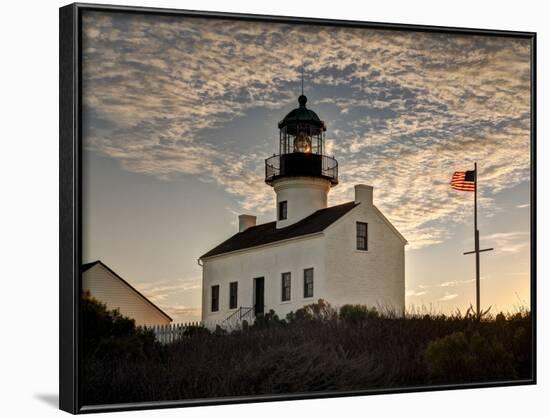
(180, 113)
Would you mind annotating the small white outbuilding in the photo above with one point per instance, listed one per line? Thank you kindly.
(111, 289)
(345, 254)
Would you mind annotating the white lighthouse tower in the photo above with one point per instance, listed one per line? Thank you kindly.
(301, 174)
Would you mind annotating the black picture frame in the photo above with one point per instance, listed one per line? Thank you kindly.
(70, 203)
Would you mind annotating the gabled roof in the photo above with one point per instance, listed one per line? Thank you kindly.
(87, 266)
(390, 225)
(268, 232)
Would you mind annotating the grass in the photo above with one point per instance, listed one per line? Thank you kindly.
(315, 350)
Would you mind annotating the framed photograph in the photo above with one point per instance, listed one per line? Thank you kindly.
(259, 208)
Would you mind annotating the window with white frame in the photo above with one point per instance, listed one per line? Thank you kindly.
(308, 283)
(362, 230)
(285, 286)
(233, 288)
(215, 300)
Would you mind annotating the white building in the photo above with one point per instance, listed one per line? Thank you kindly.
(111, 289)
(345, 254)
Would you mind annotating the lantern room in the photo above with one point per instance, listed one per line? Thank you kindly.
(301, 148)
(301, 131)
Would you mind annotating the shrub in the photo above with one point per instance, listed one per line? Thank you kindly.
(107, 333)
(321, 311)
(315, 352)
(500, 317)
(357, 313)
(306, 367)
(219, 331)
(194, 331)
(468, 356)
(269, 319)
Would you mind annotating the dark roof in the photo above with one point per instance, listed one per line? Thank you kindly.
(87, 266)
(268, 233)
(302, 115)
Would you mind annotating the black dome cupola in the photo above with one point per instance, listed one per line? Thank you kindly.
(302, 130)
(301, 148)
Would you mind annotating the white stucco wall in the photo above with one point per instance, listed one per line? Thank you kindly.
(375, 277)
(108, 289)
(304, 196)
(269, 262)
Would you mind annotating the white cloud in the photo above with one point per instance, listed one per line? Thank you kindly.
(510, 242)
(160, 291)
(456, 283)
(415, 293)
(448, 297)
(183, 313)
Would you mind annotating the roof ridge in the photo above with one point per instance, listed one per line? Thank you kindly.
(266, 233)
(91, 264)
(88, 265)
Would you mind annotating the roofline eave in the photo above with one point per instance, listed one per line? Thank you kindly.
(99, 262)
(276, 243)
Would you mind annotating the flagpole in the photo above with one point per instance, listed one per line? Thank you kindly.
(462, 181)
(476, 243)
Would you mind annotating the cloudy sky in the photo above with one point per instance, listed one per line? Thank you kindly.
(180, 113)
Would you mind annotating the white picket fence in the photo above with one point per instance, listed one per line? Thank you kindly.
(168, 333)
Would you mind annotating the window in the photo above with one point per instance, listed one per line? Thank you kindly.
(308, 283)
(259, 299)
(285, 286)
(282, 210)
(362, 236)
(233, 287)
(215, 298)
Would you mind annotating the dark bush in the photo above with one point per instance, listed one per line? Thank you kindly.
(468, 356)
(309, 366)
(357, 313)
(269, 319)
(321, 311)
(316, 351)
(500, 317)
(106, 333)
(194, 331)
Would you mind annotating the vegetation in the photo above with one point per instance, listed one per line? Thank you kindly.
(356, 314)
(109, 335)
(315, 348)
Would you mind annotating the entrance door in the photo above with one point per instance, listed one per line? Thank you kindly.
(259, 296)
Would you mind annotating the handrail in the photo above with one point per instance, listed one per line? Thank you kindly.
(296, 164)
(239, 311)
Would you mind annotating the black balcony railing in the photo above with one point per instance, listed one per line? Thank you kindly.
(299, 165)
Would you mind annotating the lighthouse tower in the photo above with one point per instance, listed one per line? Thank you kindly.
(301, 174)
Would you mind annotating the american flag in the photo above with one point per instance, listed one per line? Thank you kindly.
(464, 180)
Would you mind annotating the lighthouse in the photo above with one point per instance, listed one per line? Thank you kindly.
(348, 253)
(301, 174)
